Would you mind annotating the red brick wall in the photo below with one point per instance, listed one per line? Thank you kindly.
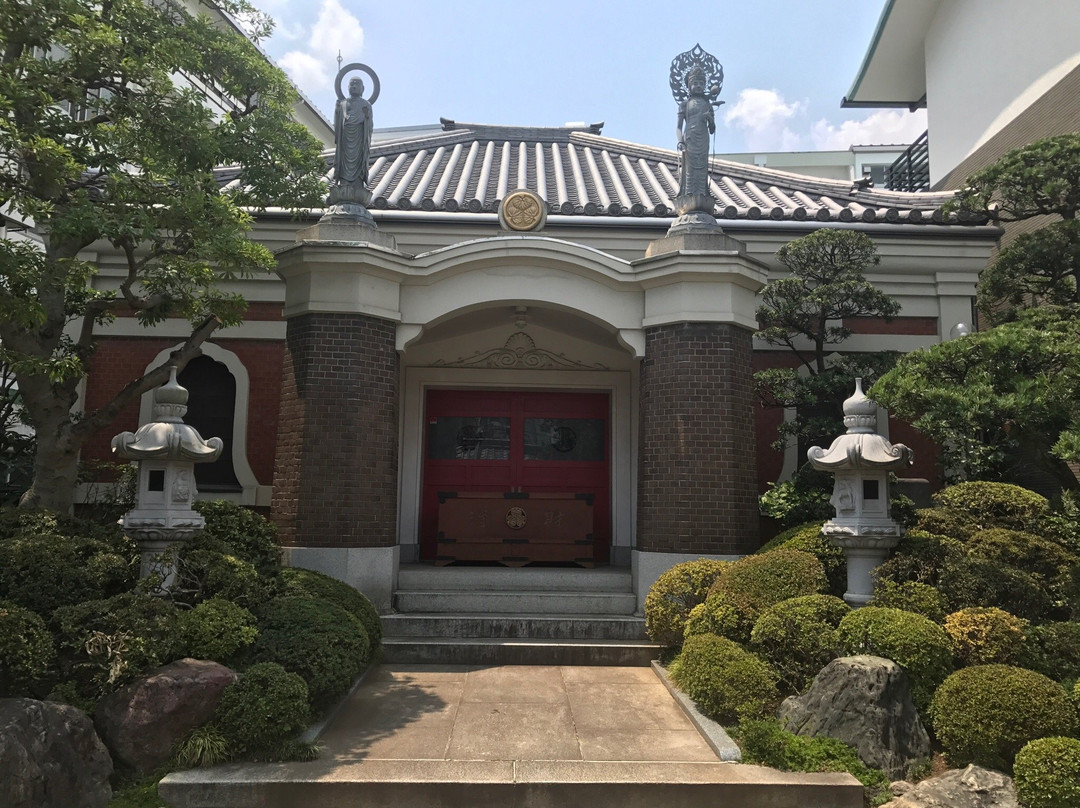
(119, 360)
(913, 326)
(335, 482)
(697, 483)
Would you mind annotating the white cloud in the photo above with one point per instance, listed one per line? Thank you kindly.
(763, 116)
(886, 126)
(336, 29)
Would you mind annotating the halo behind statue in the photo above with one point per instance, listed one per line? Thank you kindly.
(681, 66)
(363, 69)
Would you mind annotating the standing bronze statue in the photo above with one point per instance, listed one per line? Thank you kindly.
(691, 73)
(352, 143)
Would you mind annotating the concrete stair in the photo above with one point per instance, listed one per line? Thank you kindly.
(525, 616)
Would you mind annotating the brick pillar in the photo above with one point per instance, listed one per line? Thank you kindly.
(335, 478)
(697, 476)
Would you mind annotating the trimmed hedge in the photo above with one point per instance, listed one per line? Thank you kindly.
(920, 557)
(1047, 773)
(217, 629)
(316, 639)
(910, 596)
(26, 650)
(727, 682)
(308, 583)
(202, 574)
(809, 538)
(917, 644)
(676, 592)
(102, 644)
(799, 637)
(987, 713)
(994, 504)
(756, 582)
(43, 570)
(238, 531)
(261, 712)
(1052, 649)
(973, 581)
(717, 615)
(985, 636)
(1025, 551)
(946, 522)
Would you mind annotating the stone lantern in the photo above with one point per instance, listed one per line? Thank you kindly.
(166, 450)
(861, 459)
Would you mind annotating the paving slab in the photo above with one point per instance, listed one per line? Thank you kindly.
(512, 737)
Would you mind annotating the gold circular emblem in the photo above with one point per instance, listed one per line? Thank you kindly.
(522, 210)
(515, 518)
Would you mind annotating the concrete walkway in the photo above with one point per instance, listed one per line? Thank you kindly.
(509, 737)
(513, 713)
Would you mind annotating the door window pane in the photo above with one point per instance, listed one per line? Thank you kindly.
(568, 439)
(468, 438)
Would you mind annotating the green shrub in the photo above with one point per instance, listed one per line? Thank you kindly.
(975, 581)
(203, 746)
(101, 644)
(994, 504)
(1025, 551)
(263, 710)
(727, 682)
(45, 569)
(1052, 649)
(766, 743)
(805, 496)
(985, 714)
(756, 582)
(1062, 525)
(238, 531)
(316, 639)
(917, 644)
(946, 522)
(809, 538)
(202, 574)
(308, 583)
(717, 615)
(217, 629)
(1047, 773)
(984, 636)
(910, 596)
(919, 557)
(26, 650)
(675, 593)
(799, 637)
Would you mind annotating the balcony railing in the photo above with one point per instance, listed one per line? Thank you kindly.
(911, 171)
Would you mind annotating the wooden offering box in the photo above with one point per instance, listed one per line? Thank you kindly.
(515, 529)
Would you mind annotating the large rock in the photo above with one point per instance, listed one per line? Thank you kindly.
(973, 787)
(50, 757)
(864, 701)
(141, 721)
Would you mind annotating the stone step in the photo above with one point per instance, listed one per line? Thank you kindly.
(515, 626)
(485, 651)
(515, 602)
(505, 784)
(422, 576)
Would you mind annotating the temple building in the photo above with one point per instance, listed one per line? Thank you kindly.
(521, 364)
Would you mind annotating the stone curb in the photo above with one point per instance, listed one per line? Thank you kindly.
(714, 734)
(315, 731)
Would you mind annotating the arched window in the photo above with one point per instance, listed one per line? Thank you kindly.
(211, 410)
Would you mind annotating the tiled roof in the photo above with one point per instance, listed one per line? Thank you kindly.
(471, 167)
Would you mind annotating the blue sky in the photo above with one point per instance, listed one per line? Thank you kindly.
(787, 64)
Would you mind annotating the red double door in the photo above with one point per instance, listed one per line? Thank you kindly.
(502, 441)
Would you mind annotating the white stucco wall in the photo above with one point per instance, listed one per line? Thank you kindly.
(986, 62)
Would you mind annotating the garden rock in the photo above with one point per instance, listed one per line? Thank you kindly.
(141, 721)
(973, 787)
(50, 757)
(863, 701)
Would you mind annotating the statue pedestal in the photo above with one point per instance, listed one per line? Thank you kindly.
(696, 231)
(347, 228)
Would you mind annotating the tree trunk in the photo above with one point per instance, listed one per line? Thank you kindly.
(56, 469)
